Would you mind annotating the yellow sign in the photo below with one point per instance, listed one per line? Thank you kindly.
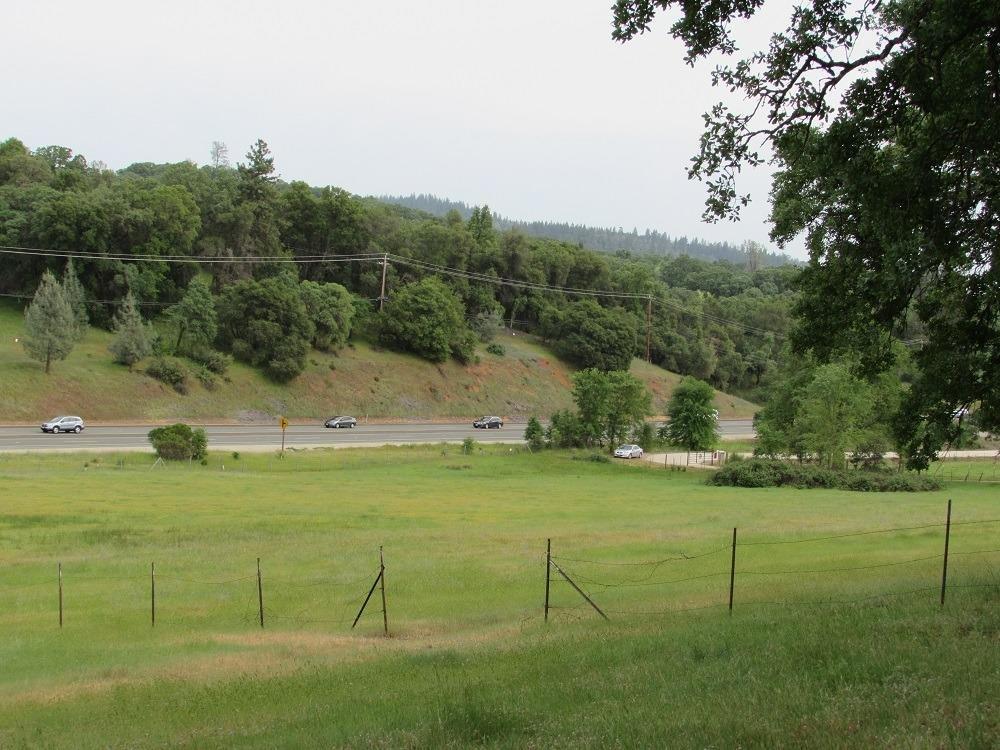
(284, 423)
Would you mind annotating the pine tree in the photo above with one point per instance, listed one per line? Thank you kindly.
(49, 324)
(73, 291)
(132, 341)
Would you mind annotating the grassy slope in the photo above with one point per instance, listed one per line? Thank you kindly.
(362, 380)
(470, 662)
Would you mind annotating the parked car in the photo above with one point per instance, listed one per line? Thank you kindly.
(340, 422)
(63, 424)
(628, 451)
(488, 423)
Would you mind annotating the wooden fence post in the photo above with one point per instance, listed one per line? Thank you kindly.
(260, 595)
(548, 572)
(947, 538)
(732, 573)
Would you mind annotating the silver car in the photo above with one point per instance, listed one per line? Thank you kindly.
(628, 451)
(63, 424)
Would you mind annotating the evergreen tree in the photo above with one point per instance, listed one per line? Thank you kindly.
(73, 291)
(132, 340)
(693, 421)
(49, 324)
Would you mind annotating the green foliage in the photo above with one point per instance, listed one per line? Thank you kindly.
(592, 336)
(211, 360)
(534, 434)
(468, 446)
(266, 324)
(178, 442)
(75, 296)
(762, 472)
(832, 409)
(487, 323)
(194, 317)
(426, 318)
(693, 423)
(645, 436)
(565, 430)
(496, 348)
(170, 371)
(331, 310)
(611, 405)
(132, 339)
(50, 328)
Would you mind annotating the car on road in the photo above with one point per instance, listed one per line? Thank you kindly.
(628, 451)
(340, 422)
(63, 424)
(488, 423)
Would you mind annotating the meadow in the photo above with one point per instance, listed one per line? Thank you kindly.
(836, 638)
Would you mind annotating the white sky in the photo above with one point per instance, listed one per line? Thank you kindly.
(527, 105)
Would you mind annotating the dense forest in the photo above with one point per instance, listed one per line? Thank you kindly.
(280, 260)
(605, 239)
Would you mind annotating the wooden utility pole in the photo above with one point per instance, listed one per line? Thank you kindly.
(649, 328)
(381, 296)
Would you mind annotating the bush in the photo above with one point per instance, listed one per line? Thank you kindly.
(170, 371)
(464, 348)
(760, 472)
(468, 446)
(212, 360)
(645, 436)
(565, 430)
(534, 434)
(496, 348)
(178, 442)
(206, 377)
(597, 458)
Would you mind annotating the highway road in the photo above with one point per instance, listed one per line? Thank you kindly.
(268, 437)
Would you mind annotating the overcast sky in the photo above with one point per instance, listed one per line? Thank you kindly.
(527, 105)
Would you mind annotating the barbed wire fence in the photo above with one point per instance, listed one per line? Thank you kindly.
(576, 587)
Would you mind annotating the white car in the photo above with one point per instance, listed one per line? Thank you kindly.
(63, 424)
(628, 451)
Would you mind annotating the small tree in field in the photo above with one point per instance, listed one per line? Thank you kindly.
(693, 425)
(132, 341)
(534, 434)
(49, 324)
(73, 291)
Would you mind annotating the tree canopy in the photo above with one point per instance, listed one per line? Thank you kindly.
(885, 120)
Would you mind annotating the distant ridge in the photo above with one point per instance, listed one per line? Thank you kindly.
(604, 239)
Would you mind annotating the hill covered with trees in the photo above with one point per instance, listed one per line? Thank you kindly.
(234, 263)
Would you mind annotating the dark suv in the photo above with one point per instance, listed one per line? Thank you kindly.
(488, 423)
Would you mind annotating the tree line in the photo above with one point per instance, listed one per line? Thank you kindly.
(260, 246)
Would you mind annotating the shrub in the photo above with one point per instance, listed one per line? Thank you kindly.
(496, 348)
(597, 458)
(760, 472)
(170, 371)
(206, 377)
(468, 446)
(463, 348)
(178, 442)
(565, 430)
(212, 360)
(534, 434)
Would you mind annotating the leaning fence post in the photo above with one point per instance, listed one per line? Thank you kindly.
(260, 594)
(947, 538)
(60, 596)
(548, 572)
(381, 575)
(732, 573)
(152, 592)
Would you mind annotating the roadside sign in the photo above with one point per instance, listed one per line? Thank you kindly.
(283, 422)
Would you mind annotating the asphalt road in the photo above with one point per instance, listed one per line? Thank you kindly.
(268, 437)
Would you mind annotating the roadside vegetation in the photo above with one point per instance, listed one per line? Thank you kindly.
(470, 660)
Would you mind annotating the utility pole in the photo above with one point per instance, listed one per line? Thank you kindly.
(381, 296)
(649, 328)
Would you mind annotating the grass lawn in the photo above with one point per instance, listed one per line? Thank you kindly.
(831, 643)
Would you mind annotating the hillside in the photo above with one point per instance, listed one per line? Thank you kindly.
(363, 379)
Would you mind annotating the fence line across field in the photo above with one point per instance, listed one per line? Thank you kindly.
(570, 574)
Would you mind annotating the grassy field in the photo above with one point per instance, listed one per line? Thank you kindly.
(858, 654)
(362, 380)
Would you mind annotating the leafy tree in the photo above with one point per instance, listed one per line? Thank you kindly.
(593, 336)
(331, 309)
(426, 318)
(266, 324)
(49, 324)
(886, 126)
(132, 339)
(610, 405)
(832, 413)
(693, 424)
(73, 291)
(565, 430)
(194, 316)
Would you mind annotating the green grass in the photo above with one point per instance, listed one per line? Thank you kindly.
(362, 379)
(470, 660)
